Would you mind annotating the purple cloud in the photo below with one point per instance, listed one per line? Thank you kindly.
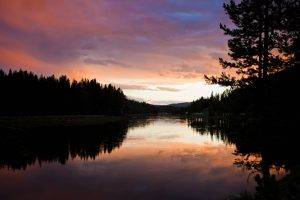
(136, 32)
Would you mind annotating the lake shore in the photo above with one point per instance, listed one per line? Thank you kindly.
(19, 122)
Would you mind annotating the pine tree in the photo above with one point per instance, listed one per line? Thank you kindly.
(261, 40)
(290, 31)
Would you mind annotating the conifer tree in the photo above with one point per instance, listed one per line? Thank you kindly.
(263, 40)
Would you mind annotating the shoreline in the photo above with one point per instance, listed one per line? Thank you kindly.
(56, 120)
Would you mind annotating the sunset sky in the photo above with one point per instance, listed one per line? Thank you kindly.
(155, 50)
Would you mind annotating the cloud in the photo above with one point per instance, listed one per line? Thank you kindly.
(133, 87)
(186, 71)
(189, 68)
(168, 89)
(168, 137)
(104, 62)
(136, 98)
(148, 36)
(145, 87)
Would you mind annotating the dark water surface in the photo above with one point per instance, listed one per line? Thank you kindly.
(158, 158)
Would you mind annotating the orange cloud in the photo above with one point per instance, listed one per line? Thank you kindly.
(153, 41)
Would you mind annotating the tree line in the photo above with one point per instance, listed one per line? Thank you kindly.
(25, 93)
(277, 98)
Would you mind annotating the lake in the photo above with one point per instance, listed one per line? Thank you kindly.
(154, 158)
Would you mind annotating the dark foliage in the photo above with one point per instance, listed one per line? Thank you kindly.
(24, 93)
(170, 109)
(264, 40)
(136, 107)
(213, 104)
(275, 97)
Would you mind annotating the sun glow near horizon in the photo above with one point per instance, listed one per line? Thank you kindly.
(156, 51)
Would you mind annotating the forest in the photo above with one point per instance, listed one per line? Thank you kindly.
(277, 97)
(25, 93)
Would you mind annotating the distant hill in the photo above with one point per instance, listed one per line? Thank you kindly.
(180, 105)
(175, 108)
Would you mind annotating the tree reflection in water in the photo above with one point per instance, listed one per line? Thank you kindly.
(20, 148)
(267, 149)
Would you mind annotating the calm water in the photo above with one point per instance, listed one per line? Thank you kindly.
(159, 158)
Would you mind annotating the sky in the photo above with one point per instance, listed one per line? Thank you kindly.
(155, 50)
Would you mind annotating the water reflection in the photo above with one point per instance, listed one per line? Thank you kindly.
(20, 148)
(157, 158)
(266, 149)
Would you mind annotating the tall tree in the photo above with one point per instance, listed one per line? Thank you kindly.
(289, 25)
(263, 39)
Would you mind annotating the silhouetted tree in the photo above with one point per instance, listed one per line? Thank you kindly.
(264, 39)
(289, 25)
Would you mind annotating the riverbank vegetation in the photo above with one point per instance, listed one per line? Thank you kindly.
(264, 53)
(277, 97)
(24, 122)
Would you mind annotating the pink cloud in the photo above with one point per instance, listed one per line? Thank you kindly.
(146, 36)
